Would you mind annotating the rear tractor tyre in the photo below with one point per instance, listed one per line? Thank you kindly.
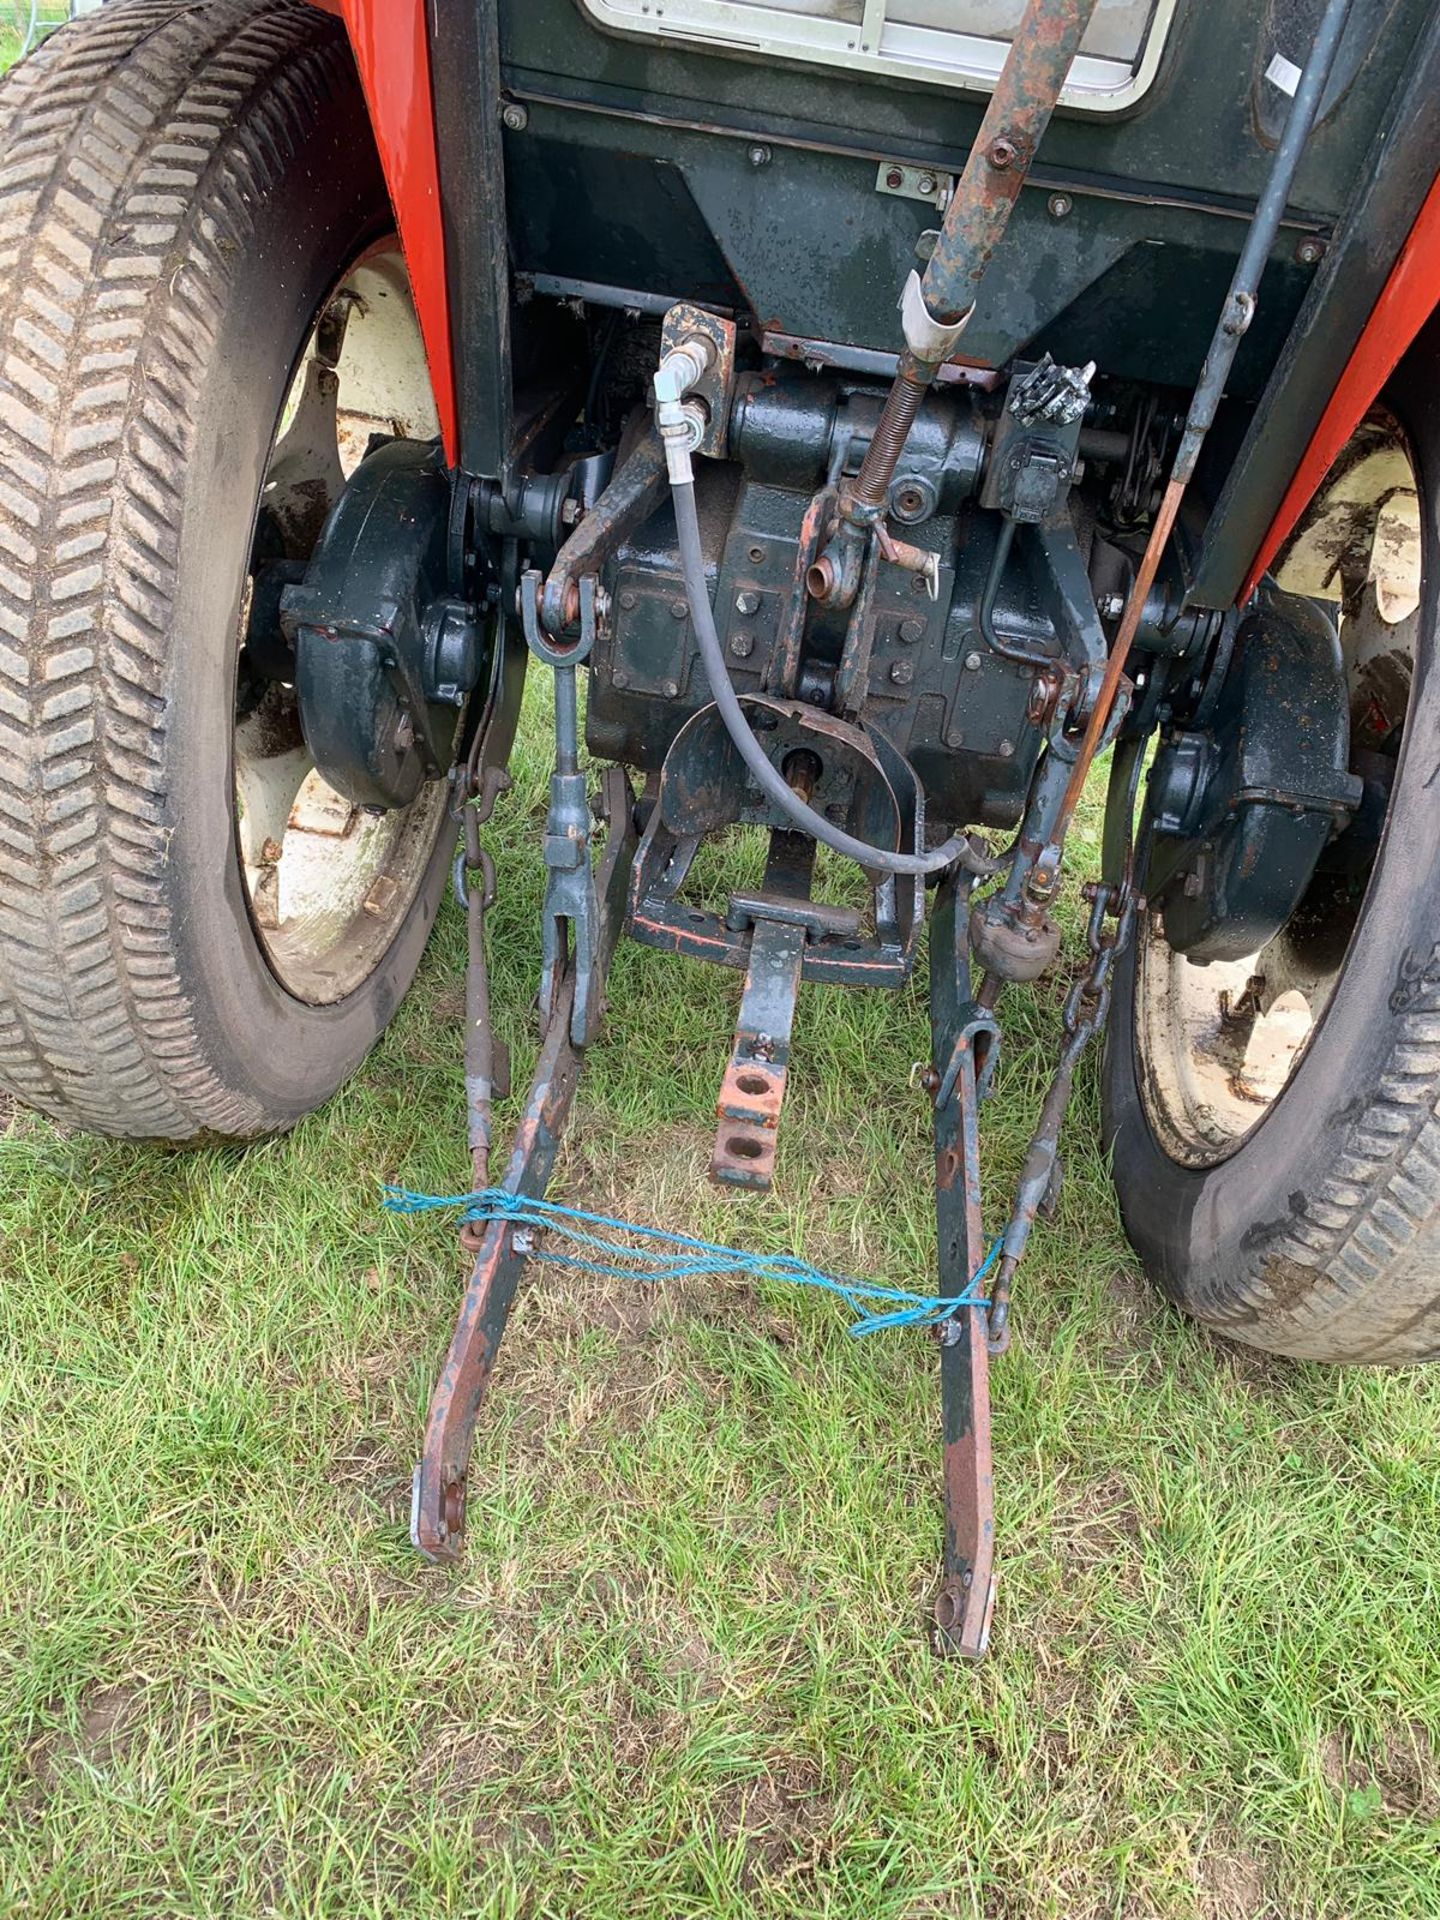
(196, 256)
(1275, 1123)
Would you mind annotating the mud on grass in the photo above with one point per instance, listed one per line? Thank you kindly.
(683, 1669)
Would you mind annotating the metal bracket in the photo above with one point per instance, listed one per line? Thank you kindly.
(570, 916)
(909, 182)
(713, 389)
(753, 1089)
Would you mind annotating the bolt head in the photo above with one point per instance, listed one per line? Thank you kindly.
(747, 603)
(742, 645)
(514, 116)
(1007, 749)
(972, 662)
(629, 599)
(678, 610)
(1002, 154)
(902, 672)
(912, 630)
(671, 689)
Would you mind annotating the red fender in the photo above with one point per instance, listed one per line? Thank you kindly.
(392, 52)
(1411, 295)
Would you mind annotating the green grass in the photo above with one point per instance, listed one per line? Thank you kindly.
(15, 25)
(683, 1669)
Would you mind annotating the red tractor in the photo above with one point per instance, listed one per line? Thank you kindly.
(894, 408)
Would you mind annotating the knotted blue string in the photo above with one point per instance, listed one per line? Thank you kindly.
(655, 1254)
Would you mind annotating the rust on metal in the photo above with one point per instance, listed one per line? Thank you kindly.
(635, 490)
(1040, 58)
(785, 661)
(1039, 61)
(957, 1074)
(440, 1480)
(966, 1599)
(1119, 653)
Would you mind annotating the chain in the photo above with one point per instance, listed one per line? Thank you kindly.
(1087, 1005)
(1113, 909)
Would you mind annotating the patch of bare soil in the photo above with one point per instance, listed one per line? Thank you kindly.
(784, 1820)
(1103, 1524)
(1231, 1886)
(107, 1718)
(1405, 1774)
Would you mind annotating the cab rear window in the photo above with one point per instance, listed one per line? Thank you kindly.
(950, 43)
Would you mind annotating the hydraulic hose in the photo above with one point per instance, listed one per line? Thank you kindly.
(956, 851)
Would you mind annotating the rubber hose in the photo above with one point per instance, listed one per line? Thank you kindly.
(956, 851)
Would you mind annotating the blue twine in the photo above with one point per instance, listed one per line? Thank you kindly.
(663, 1255)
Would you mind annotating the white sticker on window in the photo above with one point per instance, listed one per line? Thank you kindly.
(1283, 74)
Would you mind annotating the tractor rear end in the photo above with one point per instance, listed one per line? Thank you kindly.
(890, 415)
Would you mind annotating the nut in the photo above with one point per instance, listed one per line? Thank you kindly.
(1310, 250)
(1060, 205)
(927, 183)
(678, 610)
(894, 179)
(514, 116)
(629, 599)
(1007, 748)
(759, 155)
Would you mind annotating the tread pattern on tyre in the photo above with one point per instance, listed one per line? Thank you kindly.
(1346, 1268)
(134, 148)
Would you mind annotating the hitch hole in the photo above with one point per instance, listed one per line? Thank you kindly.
(752, 1083)
(947, 1610)
(802, 770)
(745, 1147)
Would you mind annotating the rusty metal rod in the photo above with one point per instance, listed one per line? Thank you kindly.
(1036, 68)
(1040, 58)
(1235, 318)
